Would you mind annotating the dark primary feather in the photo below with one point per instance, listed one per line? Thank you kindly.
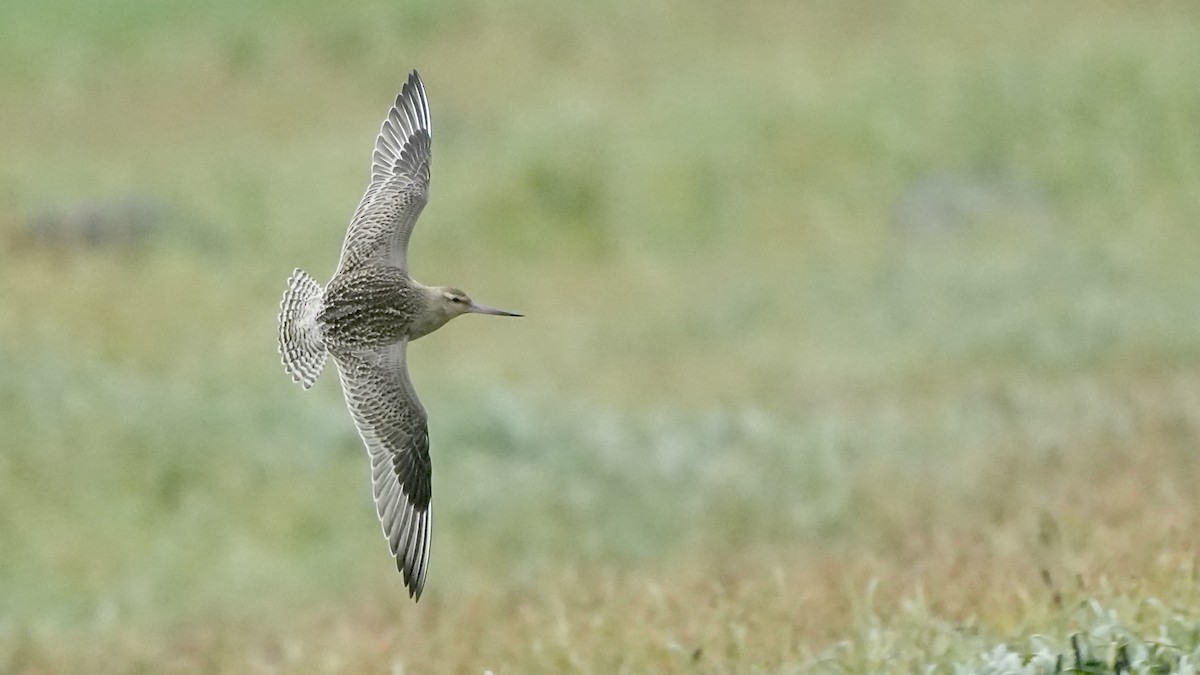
(399, 189)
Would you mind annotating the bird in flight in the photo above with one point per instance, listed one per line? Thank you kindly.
(366, 316)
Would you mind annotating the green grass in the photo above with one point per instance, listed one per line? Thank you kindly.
(753, 421)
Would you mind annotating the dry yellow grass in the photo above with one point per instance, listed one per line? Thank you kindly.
(926, 580)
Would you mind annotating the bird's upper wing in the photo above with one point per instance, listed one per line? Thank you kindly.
(399, 185)
(393, 426)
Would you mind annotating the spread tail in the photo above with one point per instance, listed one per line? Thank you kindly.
(300, 339)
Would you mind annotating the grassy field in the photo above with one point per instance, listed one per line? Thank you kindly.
(860, 337)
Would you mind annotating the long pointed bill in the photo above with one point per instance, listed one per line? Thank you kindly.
(480, 309)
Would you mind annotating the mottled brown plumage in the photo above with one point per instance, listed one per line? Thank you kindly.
(369, 307)
(366, 316)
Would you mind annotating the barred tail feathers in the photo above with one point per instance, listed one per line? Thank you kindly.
(300, 340)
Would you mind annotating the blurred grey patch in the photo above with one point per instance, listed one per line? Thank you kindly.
(94, 223)
(942, 203)
(965, 238)
(124, 222)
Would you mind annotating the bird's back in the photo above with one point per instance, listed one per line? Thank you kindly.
(369, 307)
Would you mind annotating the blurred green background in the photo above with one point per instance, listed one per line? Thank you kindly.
(808, 285)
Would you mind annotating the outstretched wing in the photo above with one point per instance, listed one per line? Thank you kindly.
(399, 185)
(393, 426)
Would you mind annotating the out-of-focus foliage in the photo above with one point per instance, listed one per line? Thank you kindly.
(820, 297)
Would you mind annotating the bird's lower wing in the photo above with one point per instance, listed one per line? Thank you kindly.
(393, 426)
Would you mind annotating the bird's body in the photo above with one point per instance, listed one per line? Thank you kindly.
(365, 317)
(371, 307)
